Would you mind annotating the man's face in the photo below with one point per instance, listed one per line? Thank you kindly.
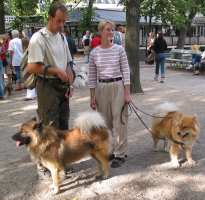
(57, 22)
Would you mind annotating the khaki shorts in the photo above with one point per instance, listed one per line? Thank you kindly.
(86, 50)
(8, 70)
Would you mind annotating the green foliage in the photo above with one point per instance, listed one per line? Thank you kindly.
(23, 7)
(86, 18)
(43, 9)
(176, 12)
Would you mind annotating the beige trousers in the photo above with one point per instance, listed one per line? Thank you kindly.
(110, 100)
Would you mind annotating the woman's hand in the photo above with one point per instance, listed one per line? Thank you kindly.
(127, 95)
(93, 104)
(127, 98)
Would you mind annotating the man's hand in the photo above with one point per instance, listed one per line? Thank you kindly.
(70, 75)
(61, 74)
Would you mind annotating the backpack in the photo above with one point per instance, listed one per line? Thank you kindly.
(29, 79)
(117, 39)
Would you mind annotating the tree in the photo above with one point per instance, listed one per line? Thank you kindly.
(87, 14)
(2, 17)
(132, 42)
(178, 13)
(24, 7)
(185, 11)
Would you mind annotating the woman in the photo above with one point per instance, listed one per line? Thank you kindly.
(150, 51)
(109, 83)
(1, 75)
(160, 46)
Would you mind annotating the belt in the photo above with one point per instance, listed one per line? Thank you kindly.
(110, 80)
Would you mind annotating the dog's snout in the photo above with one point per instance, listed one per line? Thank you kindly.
(15, 136)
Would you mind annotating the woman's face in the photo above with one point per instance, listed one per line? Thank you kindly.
(107, 32)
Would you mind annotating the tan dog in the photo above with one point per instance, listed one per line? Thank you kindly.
(54, 149)
(179, 131)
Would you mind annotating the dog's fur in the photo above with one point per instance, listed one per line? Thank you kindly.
(81, 78)
(54, 149)
(179, 131)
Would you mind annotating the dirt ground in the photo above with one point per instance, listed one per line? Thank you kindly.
(146, 175)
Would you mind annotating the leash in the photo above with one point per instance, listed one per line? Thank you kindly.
(135, 109)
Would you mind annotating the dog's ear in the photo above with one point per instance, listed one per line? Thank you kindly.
(38, 127)
(34, 119)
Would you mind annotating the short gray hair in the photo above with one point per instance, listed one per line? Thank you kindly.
(15, 33)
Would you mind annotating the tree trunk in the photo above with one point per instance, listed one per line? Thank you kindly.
(2, 20)
(181, 38)
(132, 43)
(89, 13)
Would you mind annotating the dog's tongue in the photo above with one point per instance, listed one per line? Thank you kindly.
(18, 143)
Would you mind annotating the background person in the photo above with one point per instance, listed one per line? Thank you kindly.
(160, 46)
(16, 52)
(86, 44)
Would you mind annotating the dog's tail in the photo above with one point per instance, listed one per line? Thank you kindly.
(86, 121)
(167, 107)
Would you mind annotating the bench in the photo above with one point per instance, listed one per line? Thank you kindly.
(179, 58)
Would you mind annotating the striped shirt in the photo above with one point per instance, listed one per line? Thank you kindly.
(108, 63)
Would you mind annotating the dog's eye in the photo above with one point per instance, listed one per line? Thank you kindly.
(179, 133)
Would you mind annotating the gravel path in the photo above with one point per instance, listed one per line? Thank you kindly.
(147, 175)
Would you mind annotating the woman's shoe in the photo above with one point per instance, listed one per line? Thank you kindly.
(117, 162)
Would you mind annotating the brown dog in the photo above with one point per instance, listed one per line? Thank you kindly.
(54, 149)
(178, 130)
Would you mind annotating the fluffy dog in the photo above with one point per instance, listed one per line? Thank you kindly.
(178, 130)
(54, 149)
(81, 76)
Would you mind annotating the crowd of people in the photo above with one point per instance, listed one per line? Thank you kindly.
(92, 40)
(156, 53)
(12, 47)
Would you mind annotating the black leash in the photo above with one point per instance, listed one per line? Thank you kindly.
(143, 112)
(135, 109)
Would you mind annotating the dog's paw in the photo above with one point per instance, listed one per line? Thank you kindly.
(54, 189)
(175, 164)
(101, 177)
(191, 163)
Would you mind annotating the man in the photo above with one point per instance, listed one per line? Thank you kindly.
(118, 38)
(71, 42)
(49, 58)
(86, 44)
(16, 52)
(54, 74)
